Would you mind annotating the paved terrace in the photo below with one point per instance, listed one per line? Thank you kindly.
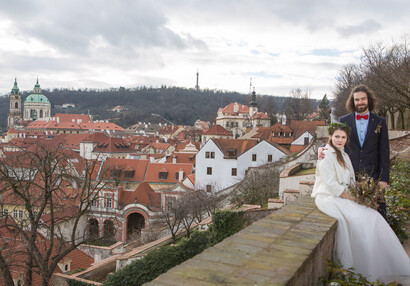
(287, 247)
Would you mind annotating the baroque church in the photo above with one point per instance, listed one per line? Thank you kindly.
(36, 106)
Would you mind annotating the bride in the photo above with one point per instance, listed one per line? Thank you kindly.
(364, 240)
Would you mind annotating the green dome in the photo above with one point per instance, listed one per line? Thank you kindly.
(36, 98)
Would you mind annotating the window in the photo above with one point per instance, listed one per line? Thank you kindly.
(163, 175)
(209, 188)
(35, 214)
(234, 171)
(269, 158)
(15, 213)
(254, 157)
(306, 141)
(108, 202)
(209, 171)
(94, 202)
(210, 155)
(5, 212)
(129, 174)
(20, 214)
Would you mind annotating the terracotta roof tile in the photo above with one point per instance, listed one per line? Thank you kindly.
(217, 129)
(153, 170)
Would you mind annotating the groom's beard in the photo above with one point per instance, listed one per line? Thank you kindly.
(362, 108)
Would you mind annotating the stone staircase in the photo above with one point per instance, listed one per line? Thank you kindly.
(291, 195)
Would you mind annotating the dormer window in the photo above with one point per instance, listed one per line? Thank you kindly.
(163, 175)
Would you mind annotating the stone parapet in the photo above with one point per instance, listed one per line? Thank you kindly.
(287, 247)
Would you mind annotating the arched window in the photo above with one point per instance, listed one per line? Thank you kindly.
(93, 227)
(109, 230)
(16, 105)
(41, 113)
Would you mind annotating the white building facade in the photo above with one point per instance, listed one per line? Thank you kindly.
(223, 163)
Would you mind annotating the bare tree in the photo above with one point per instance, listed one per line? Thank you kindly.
(299, 105)
(258, 186)
(46, 187)
(387, 70)
(172, 216)
(347, 78)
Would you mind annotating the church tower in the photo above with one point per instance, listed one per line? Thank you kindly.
(15, 116)
(253, 105)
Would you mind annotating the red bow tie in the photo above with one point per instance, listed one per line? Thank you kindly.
(365, 117)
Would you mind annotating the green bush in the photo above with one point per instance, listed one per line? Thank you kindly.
(398, 198)
(339, 276)
(77, 283)
(225, 223)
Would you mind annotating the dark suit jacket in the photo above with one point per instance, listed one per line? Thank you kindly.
(373, 157)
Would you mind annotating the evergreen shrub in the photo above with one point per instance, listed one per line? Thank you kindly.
(397, 196)
(146, 269)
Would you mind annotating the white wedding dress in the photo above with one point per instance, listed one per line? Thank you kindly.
(364, 240)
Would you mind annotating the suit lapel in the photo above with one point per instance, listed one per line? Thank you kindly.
(352, 123)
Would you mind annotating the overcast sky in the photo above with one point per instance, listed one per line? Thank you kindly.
(280, 44)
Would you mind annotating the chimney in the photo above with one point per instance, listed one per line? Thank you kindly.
(181, 175)
(174, 159)
(283, 119)
(235, 107)
(58, 119)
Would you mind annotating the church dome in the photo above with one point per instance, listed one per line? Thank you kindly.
(36, 98)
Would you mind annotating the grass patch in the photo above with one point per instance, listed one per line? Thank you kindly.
(305, 172)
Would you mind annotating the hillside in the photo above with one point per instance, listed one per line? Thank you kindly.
(179, 105)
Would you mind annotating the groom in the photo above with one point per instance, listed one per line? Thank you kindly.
(368, 145)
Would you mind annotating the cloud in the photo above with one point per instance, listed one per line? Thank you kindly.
(366, 27)
(71, 26)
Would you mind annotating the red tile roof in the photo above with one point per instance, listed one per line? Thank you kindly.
(217, 129)
(233, 148)
(65, 117)
(143, 194)
(182, 158)
(76, 256)
(138, 166)
(153, 170)
(229, 109)
(260, 115)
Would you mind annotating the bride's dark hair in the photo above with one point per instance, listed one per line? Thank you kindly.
(331, 129)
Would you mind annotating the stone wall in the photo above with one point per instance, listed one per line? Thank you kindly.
(287, 247)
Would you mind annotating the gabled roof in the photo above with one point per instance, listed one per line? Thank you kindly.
(229, 109)
(233, 148)
(300, 127)
(217, 129)
(143, 194)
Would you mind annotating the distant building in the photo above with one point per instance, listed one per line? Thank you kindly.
(14, 117)
(240, 119)
(216, 131)
(222, 163)
(295, 135)
(36, 105)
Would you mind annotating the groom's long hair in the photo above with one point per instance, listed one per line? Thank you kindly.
(339, 155)
(371, 98)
